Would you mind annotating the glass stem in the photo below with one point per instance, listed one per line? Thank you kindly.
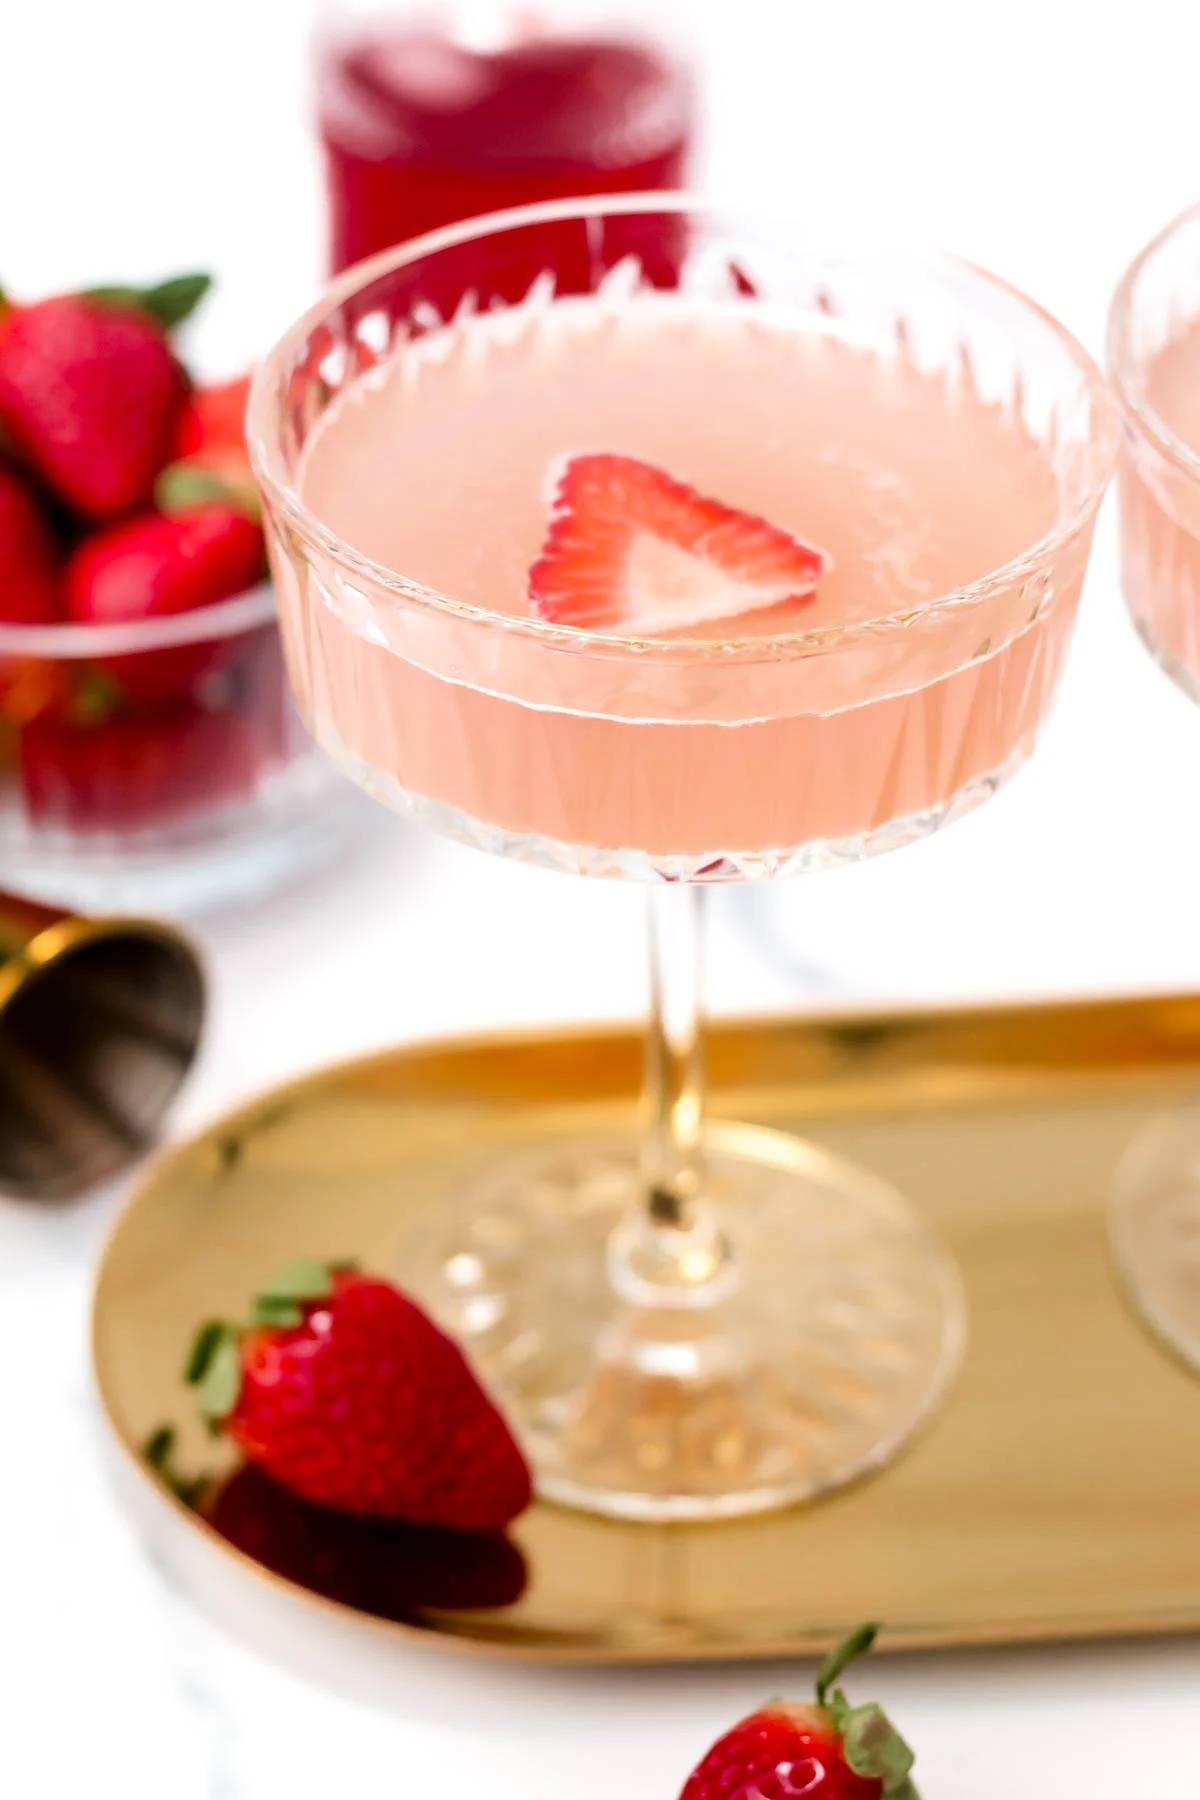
(670, 1251)
(674, 1052)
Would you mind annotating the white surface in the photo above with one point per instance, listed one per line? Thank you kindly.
(1043, 137)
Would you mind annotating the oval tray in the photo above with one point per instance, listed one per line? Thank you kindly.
(1054, 1497)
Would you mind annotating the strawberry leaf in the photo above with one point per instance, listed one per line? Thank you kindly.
(168, 302)
(221, 1383)
(96, 698)
(171, 302)
(204, 1347)
(838, 1661)
(112, 293)
(874, 1749)
(159, 1452)
(158, 1446)
(183, 485)
(269, 1311)
(304, 1279)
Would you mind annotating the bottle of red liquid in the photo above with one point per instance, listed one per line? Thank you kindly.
(429, 118)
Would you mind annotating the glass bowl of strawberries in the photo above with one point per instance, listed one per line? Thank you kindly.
(149, 751)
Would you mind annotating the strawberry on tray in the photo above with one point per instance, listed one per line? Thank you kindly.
(127, 516)
(376, 1470)
(342, 1389)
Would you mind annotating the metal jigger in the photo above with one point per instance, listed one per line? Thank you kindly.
(99, 1024)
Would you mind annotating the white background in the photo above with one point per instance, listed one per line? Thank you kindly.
(1044, 138)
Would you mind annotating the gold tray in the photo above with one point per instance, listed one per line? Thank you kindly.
(1055, 1497)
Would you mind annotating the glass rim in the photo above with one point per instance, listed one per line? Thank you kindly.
(1122, 364)
(282, 492)
(77, 642)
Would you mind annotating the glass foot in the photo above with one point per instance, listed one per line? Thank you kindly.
(807, 1360)
(1155, 1226)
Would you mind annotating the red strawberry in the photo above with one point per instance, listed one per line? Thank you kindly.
(348, 1394)
(631, 548)
(31, 687)
(830, 1751)
(209, 459)
(30, 593)
(90, 395)
(133, 772)
(213, 423)
(374, 1565)
(155, 566)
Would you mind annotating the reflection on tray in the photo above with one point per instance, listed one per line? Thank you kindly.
(389, 1570)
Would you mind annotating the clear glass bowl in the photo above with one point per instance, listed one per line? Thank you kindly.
(158, 764)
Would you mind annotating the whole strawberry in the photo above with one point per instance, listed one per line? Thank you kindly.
(209, 458)
(155, 566)
(91, 392)
(213, 425)
(30, 592)
(827, 1751)
(348, 1394)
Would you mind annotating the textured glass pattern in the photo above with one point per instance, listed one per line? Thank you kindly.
(711, 759)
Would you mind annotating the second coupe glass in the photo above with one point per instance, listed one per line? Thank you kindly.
(1154, 356)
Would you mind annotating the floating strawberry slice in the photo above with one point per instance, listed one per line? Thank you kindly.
(631, 548)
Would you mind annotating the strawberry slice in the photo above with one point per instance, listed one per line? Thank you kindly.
(630, 547)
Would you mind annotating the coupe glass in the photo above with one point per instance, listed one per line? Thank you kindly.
(1154, 357)
(709, 1318)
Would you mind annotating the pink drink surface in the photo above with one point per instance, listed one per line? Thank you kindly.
(435, 465)
(1160, 513)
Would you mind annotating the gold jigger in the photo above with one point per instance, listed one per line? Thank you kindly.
(99, 1023)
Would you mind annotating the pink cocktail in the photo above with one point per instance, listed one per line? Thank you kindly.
(936, 448)
(748, 750)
